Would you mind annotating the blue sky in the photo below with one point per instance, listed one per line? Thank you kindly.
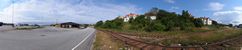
(91, 11)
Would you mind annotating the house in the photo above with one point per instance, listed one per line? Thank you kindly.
(127, 17)
(69, 25)
(206, 21)
(152, 17)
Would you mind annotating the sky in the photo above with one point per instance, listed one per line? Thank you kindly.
(91, 11)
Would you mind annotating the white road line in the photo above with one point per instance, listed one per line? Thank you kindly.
(82, 41)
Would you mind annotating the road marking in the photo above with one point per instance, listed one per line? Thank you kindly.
(82, 41)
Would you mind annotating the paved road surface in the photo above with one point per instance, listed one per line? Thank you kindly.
(48, 38)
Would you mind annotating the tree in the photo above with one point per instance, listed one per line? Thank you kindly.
(155, 27)
(131, 20)
(214, 22)
(165, 21)
(186, 20)
(198, 22)
(185, 13)
(113, 24)
(99, 23)
(230, 25)
(140, 22)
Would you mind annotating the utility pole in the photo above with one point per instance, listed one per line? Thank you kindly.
(56, 21)
(13, 12)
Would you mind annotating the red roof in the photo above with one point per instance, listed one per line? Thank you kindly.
(131, 15)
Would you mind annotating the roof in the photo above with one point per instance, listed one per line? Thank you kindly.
(69, 23)
(131, 15)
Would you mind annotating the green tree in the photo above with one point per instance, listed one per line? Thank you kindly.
(214, 22)
(140, 22)
(155, 27)
(99, 23)
(186, 21)
(113, 24)
(198, 22)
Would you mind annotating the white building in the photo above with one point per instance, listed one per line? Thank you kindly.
(127, 17)
(206, 21)
(152, 17)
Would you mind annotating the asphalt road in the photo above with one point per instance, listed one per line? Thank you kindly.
(48, 38)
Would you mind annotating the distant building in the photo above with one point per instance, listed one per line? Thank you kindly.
(8, 24)
(240, 26)
(69, 25)
(127, 17)
(23, 24)
(1, 23)
(206, 21)
(153, 17)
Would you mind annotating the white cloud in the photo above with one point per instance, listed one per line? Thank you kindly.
(216, 6)
(85, 11)
(228, 17)
(170, 1)
(174, 7)
(233, 16)
(239, 8)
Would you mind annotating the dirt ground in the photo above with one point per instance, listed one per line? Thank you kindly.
(104, 41)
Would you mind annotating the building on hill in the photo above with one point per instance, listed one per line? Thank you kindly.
(127, 17)
(69, 25)
(206, 21)
(153, 17)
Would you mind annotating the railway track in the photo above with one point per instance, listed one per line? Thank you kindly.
(146, 46)
(225, 44)
(221, 45)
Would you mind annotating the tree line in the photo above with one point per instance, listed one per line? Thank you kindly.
(165, 21)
